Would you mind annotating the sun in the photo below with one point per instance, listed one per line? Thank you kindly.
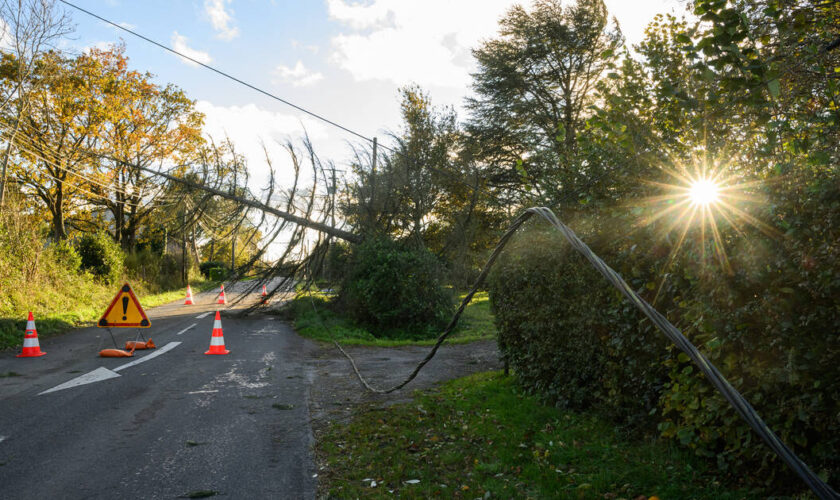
(709, 205)
(704, 192)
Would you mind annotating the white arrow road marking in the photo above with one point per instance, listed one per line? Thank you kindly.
(100, 373)
(203, 315)
(158, 352)
(187, 328)
(103, 373)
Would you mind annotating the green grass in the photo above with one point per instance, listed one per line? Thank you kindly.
(57, 311)
(314, 319)
(480, 434)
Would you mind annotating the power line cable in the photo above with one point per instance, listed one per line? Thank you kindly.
(220, 72)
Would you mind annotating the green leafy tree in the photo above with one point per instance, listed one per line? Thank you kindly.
(534, 87)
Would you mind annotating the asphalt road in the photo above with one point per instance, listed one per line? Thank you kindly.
(174, 425)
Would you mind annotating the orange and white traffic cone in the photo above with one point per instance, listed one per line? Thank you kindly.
(217, 341)
(222, 299)
(31, 348)
(264, 294)
(189, 300)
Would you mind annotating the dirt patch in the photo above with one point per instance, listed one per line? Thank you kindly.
(336, 391)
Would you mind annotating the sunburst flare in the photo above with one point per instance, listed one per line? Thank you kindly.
(702, 204)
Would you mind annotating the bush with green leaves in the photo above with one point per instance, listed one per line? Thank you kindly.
(205, 267)
(394, 288)
(159, 272)
(66, 256)
(101, 256)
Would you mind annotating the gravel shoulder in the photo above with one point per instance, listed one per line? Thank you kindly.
(336, 391)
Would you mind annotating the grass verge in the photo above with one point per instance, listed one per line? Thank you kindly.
(58, 311)
(315, 319)
(480, 435)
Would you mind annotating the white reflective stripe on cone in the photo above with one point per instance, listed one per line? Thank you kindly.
(217, 324)
(30, 325)
(217, 341)
(30, 342)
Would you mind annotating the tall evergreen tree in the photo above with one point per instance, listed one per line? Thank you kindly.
(534, 86)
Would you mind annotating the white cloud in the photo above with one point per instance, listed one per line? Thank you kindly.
(406, 41)
(6, 39)
(104, 46)
(359, 16)
(221, 19)
(298, 76)
(249, 126)
(411, 41)
(311, 48)
(179, 44)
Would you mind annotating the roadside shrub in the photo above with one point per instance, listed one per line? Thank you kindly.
(391, 286)
(205, 267)
(218, 273)
(40, 277)
(101, 256)
(170, 268)
(159, 272)
(142, 264)
(66, 256)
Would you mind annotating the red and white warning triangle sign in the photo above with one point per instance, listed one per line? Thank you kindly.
(125, 311)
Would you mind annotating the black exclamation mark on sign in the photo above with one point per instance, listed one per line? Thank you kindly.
(125, 306)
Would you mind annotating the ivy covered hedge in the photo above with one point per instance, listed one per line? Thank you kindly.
(770, 321)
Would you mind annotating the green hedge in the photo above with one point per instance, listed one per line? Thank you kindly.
(770, 325)
(206, 267)
(557, 320)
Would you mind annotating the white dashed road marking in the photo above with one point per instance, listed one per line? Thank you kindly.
(100, 373)
(187, 328)
(203, 315)
(158, 352)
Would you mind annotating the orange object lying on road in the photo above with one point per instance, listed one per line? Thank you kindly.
(116, 353)
(140, 345)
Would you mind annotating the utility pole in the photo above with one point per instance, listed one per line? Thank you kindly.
(373, 173)
(233, 252)
(184, 246)
(233, 233)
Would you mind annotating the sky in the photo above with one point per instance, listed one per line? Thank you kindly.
(342, 59)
